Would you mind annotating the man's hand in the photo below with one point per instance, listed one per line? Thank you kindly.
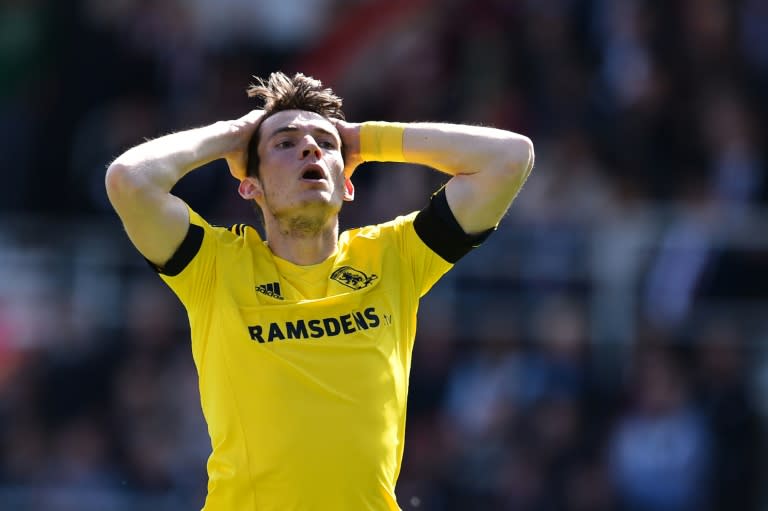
(350, 139)
(240, 131)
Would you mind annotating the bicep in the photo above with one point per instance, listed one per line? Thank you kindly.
(480, 198)
(155, 221)
(479, 204)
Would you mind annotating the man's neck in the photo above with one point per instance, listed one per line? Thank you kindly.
(301, 243)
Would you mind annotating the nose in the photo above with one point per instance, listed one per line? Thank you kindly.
(311, 148)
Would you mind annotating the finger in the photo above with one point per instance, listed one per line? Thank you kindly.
(253, 116)
(237, 171)
(237, 166)
(338, 123)
(350, 166)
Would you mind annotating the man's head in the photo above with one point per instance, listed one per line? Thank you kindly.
(295, 170)
(280, 93)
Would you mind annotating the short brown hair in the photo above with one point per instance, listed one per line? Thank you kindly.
(280, 92)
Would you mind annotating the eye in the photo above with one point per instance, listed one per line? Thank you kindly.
(328, 144)
(284, 144)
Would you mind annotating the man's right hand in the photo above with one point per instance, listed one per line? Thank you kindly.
(241, 130)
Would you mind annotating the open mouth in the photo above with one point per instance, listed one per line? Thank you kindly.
(313, 174)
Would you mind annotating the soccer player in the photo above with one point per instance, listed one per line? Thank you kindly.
(302, 341)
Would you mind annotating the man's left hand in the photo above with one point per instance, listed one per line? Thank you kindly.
(350, 139)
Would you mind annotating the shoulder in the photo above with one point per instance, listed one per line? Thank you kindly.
(380, 231)
(204, 241)
(231, 234)
(238, 233)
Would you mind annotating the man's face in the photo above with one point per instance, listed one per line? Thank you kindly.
(301, 168)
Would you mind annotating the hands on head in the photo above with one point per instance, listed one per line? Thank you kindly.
(241, 130)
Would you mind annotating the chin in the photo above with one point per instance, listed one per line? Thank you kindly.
(320, 200)
(317, 207)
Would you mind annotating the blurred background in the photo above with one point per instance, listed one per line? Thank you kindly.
(605, 350)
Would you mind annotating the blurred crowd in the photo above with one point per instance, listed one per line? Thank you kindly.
(596, 355)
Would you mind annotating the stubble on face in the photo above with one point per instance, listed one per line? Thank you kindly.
(307, 220)
(301, 227)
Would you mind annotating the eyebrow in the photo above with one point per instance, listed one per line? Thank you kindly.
(291, 129)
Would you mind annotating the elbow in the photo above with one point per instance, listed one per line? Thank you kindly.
(518, 159)
(120, 182)
(117, 175)
(522, 155)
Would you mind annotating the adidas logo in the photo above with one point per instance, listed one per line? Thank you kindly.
(272, 290)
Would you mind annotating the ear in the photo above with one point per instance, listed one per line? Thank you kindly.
(250, 189)
(349, 190)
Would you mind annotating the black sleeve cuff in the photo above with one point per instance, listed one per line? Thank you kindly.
(439, 230)
(184, 254)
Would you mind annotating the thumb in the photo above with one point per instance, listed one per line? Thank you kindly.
(237, 166)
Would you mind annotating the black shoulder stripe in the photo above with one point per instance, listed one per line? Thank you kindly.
(439, 230)
(184, 254)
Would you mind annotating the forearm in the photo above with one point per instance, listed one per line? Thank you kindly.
(466, 150)
(160, 163)
(451, 148)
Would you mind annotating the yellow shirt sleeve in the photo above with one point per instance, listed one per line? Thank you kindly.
(193, 284)
(423, 264)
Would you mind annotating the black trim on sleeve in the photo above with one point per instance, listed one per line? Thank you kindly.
(184, 254)
(438, 229)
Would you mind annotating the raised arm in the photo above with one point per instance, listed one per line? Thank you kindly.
(140, 180)
(488, 165)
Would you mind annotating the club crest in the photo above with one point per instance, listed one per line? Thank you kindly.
(352, 278)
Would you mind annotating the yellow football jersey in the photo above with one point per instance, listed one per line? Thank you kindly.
(303, 370)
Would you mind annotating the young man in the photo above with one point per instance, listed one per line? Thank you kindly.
(302, 341)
